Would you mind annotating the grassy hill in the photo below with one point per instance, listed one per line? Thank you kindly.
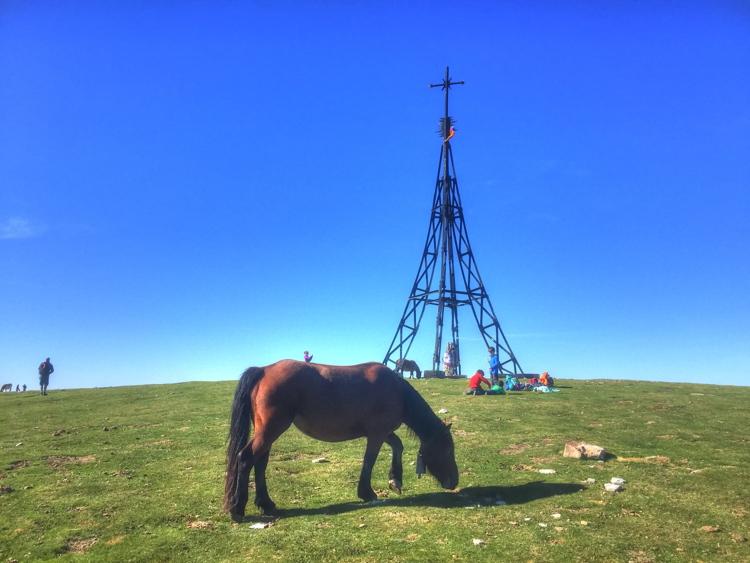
(136, 474)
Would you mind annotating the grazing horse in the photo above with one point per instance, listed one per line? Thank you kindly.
(7, 387)
(410, 366)
(333, 404)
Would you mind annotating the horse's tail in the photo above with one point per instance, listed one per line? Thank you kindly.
(239, 431)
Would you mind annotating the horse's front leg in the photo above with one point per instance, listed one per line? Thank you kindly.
(396, 474)
(264, 503)
(364, 489)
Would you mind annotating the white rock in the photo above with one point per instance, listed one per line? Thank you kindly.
(443, 411)
(478, 542)
(582, 450)
(612, 487)
(542, 524)
(591, 480)
(557, 516)
(260, 526)
(320, 460)
(617, 481)
(547, 471)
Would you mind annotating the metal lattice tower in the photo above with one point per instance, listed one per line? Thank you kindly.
(448, 240)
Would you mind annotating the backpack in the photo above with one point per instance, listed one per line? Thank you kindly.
(42, 368)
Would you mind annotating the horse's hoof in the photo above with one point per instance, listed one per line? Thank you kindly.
(268, 510)
(395, 486)
(238, 516)
(368, 497)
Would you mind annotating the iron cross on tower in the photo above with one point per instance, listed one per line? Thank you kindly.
(447, 239)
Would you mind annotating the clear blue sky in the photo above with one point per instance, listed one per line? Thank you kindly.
(191, 188)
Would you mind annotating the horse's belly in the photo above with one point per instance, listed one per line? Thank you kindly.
(329, 431)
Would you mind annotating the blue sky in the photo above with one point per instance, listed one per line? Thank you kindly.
(191, 188)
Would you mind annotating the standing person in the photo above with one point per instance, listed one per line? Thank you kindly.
(45, 369)
(18, 388)
(475, 384)
(449, 360)
(308, 357)
(494, 365)
(24, 387)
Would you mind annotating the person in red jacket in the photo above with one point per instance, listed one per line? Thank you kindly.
(475, 384)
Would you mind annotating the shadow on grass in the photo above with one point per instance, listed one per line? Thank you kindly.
(470, 496)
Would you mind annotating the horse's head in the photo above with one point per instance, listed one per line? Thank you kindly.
(439, 457)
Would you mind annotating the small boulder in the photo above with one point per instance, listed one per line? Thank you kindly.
(582, 450)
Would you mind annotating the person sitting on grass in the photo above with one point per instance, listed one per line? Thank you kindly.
(497, 389)
(475, 384)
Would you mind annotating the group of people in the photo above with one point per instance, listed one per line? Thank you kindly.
(498, 387)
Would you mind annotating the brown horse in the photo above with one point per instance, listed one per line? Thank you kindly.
(333, 404)
(411, 366)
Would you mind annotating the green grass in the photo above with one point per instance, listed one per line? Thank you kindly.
(136, 474)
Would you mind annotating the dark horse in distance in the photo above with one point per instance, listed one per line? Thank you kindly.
(333, 404)
(411, 366)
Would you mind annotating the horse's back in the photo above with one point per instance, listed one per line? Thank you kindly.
(334, 403)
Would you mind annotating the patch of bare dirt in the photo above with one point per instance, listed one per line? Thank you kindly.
(201, 525)
(115, 540)
(658, 459)
(20, 464)
(80, 546)
(514, 449)
(58, 460)
(639, 557)
(156, 443)
(521, 467)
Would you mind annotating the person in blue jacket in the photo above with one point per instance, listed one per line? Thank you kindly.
(494, 366)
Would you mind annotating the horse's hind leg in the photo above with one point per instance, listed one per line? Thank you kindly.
(264, 503)
(244, 463)
(395, 475)
(267, 431)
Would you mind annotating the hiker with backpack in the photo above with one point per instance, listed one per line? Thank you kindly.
(45, 369)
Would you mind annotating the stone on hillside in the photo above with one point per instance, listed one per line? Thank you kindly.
(582, 450)
(617, 481)
(613, 488)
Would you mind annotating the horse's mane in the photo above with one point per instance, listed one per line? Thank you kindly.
(418, 415)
